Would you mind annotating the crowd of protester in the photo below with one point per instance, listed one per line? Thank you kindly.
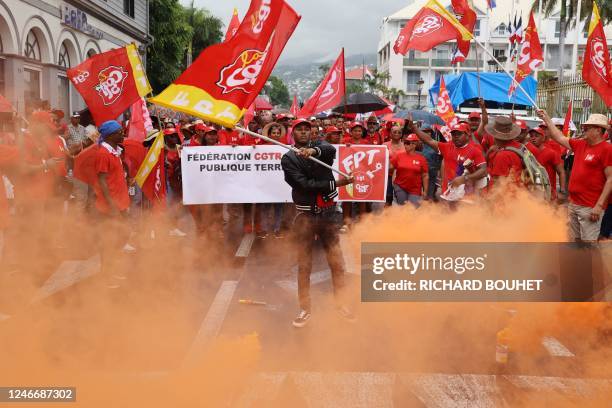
(427, 163)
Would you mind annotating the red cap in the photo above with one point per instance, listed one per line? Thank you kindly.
(474, 115)
(538, 130)
(353, 125)
(412, 137)
(332, 129)
(300, 121)
(460, 127)
(205, 128)
(521, 123)
(282, 116)
(170, 131)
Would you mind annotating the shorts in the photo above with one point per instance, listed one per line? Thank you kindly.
(581, 228)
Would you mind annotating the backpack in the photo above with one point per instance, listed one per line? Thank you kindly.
(534, 175)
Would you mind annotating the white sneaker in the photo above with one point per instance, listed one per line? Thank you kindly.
(302, 319)
(128, 248)
(177, 233)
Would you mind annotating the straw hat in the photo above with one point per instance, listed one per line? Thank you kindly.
(266, 130)
(597, 119)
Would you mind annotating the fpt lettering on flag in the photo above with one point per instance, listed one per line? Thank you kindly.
(226, 78)
(596, 69)
(432, 25)
(110, 82)
(330, 91)
(444, 107)
(530, 56)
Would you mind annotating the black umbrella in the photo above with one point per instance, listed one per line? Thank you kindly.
(420, 116)
(360, 103)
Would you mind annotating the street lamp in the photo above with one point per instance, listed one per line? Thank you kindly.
(420, 83)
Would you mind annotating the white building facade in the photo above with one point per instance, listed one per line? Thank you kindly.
(491, 30)
(41, 39)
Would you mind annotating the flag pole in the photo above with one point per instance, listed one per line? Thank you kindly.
(478, 71)
(296, 150)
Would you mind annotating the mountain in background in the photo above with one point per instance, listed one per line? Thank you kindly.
(302, 75)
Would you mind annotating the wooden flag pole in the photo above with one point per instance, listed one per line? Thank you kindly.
(276, 142)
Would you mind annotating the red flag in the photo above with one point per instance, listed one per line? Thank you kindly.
(330, 91)
(137, 128)
(232, 27)
(596, 69)
(110, 82)
(151, 176)
(295, 107)
(431, 26)
(444, 108)
(225, 78)
(568, 119)
(249, 114)
(530, 56)
(468, 20)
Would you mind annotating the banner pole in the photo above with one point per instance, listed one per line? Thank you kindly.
(267, 139)
(478, 71)
(535, 105)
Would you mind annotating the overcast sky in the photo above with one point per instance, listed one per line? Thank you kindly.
(326, 25)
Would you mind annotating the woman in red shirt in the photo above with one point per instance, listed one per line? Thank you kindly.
(395, 145)
(412, 173)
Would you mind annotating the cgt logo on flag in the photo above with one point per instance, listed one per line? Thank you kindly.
(598, 58)
(332, 88)
(427, 25)
(110, 84)
(243, 72)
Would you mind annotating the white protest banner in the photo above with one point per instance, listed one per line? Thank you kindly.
(247, 174)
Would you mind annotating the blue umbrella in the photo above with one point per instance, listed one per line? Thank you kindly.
(420, 116)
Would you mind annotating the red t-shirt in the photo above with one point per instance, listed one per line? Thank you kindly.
(394, 150)
(486, 141)
(349, 140)
(588, 178)
(229, 137)
(555, 147)
(549, 159)
(375, 138)
(454, 157)
(503, 163)
(409, 169)
(109, 163)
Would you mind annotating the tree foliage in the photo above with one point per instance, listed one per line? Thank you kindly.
(176, 30)
(277, 91)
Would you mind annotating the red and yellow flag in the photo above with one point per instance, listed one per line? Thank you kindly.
(431, 26)
(444, 107)
(530, 57)
(330, 91)
(226, 78)
(151, 176)
(110, 82)
(596, 70)
(233, 25)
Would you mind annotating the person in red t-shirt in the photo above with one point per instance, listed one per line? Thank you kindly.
(590, 183)
(394, 145)
(373, 134)
(455, 156)
(356, 135)
(411, 173)
(333, 135)
(503, 162)
(547, 158)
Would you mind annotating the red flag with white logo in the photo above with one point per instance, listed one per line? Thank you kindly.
(530, 57)
(330, 91)
(110, 82)
(232, 27)
(295, 107)
(226, 78)
(431, 26)
(444, 107)
(596, 69)
(140, 121)
(468, 20)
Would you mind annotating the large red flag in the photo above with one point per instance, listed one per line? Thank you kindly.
(295, 107)
(226, 78)
(140, 121)
(330, 91)
(444, 107)
(110, 82)
(468, 20)
(431, 26)
(596, 70)
(232, 27)
(531, 55)
(151, 176)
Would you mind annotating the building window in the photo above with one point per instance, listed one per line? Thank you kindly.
(412, 77)
(128, 7)
(32, 84)
(64, 58)
(501, 30)
(32, 48)
(499, 53)
(557, 29)
(477, 28)
(91, 53)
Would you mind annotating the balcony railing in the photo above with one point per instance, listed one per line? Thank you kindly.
(440, 62)
(412, 88)
(470, 63)
(416, 62)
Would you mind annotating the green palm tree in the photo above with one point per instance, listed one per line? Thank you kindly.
(567, 17)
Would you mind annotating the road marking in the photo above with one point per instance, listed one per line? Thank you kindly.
(555, 348)
(366, 389)
(66, 275)
(245, 246)
(211, 325)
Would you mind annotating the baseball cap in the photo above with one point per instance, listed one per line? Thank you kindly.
(109, 127)
(537, 130)
(170, 131)
(460, 127)
(353, 125)
(412, 137)
(332, 129)
(474, 115)
(522, 124)
(300, 121)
